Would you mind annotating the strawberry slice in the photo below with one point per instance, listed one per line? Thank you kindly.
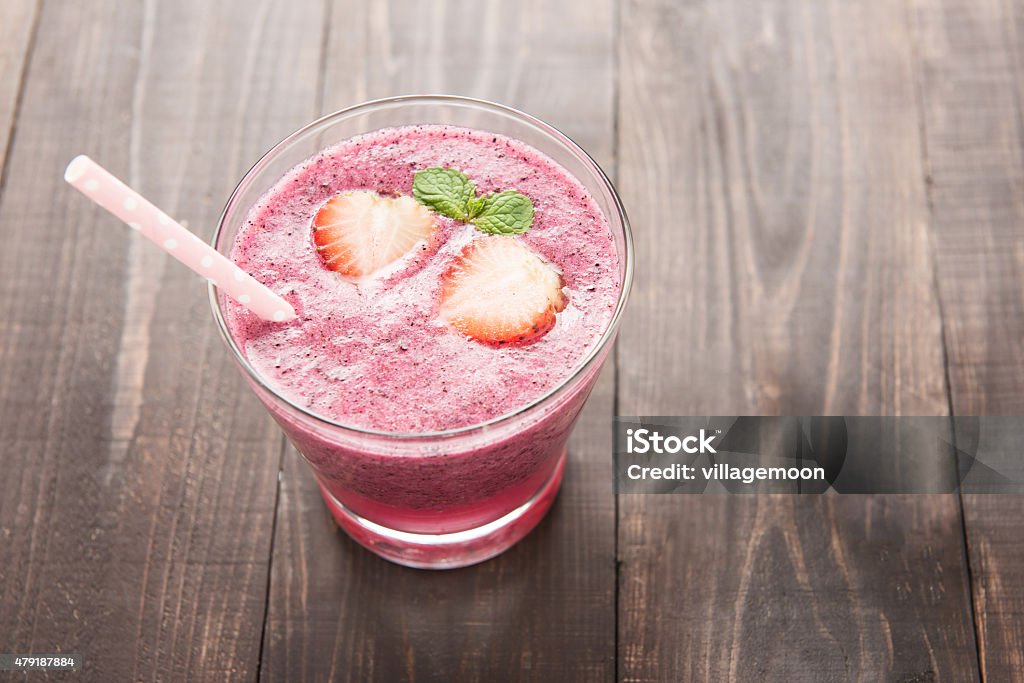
(498, 291)
(358, 233)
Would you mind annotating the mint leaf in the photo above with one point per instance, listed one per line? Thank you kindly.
(505, 213)
(445, 190)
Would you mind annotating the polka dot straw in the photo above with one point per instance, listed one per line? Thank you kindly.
(99, 185)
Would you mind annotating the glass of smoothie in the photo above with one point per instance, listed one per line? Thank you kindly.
(459, 270)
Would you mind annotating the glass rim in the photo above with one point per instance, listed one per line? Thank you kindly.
(551, 131)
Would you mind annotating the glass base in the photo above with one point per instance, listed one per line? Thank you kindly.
(449, 551)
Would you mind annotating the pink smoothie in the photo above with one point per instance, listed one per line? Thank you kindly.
(374, 355)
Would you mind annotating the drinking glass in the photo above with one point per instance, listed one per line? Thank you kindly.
(448, 498)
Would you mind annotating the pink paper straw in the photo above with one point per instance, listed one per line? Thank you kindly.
(96, 183)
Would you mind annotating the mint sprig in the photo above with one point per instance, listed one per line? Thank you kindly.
(451, 193)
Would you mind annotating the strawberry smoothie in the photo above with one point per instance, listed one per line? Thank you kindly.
(415, 318)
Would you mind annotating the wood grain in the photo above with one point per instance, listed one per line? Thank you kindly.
(137, 514)
(771, 160)
(971, 62)
(17, 25)
(545, 610)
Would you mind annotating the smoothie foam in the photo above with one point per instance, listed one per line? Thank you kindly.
(373, 354)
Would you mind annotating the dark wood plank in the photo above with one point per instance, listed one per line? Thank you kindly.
(17, 22)
(771, 161)
(971, 64)
(545, 610)
(137, 508)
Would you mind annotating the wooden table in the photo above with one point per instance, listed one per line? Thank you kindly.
(828, 203)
